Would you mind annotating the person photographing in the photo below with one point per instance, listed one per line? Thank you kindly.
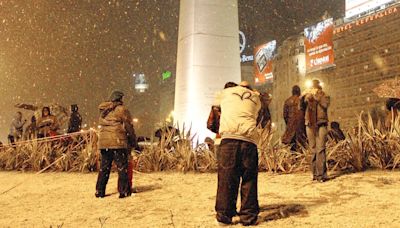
(315, 103)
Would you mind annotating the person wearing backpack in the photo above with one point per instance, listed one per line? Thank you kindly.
(116, 135)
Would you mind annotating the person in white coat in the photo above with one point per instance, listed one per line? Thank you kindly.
(237, 155)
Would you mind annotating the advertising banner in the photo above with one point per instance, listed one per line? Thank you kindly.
(264, 56)
(319, 46)
(357, 7)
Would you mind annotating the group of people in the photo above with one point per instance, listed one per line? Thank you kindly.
(234, 117)
(237, 112)
(47, 125)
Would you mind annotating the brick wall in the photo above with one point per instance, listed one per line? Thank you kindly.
(365, 56)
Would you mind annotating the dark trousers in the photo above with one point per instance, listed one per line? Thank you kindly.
(237, 160)
(120, 156)
(11, 139)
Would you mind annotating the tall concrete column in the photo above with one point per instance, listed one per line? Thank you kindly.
(208, 57)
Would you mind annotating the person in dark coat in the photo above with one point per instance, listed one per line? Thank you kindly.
(75, 120)
(31, 129)
(116, 137)
(335, 133)
(294, 118)
(264, 115)
(392, 107)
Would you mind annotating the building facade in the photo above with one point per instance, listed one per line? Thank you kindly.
(366, 53)
(289, 70)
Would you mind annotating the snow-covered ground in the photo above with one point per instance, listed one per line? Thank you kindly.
(369, 199)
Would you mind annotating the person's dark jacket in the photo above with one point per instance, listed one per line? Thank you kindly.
(213, 119)
(116, 128)
(75, 122)
(264, 115)
(336, 134)
(294, 119)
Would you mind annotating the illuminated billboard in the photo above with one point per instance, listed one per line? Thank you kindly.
(140, 82)
(264, 56)
(319, 45)
(356, 7)
(365, 20)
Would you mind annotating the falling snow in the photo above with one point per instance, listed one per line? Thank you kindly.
(69, 52)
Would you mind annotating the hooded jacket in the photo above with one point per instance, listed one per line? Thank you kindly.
(239, 111)
(116, 129)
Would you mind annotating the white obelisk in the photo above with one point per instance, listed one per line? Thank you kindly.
(208, 57)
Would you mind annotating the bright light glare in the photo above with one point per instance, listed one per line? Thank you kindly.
(308, 84)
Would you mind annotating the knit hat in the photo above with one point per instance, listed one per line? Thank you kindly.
(116, 95)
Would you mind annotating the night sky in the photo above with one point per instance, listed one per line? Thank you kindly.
(67, 52)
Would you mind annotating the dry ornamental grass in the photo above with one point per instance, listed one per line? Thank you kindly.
(370, 146)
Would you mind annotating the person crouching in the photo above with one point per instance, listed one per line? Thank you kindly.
(116, 130)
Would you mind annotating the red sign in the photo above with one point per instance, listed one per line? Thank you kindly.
(318, 44)
(263, 58)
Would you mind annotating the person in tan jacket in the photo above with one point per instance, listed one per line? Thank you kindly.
(316, 104)
(116, 135)
(237, 155)
(47, 124)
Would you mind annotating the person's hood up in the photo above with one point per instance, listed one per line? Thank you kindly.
(116, 95)
(107, 107)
